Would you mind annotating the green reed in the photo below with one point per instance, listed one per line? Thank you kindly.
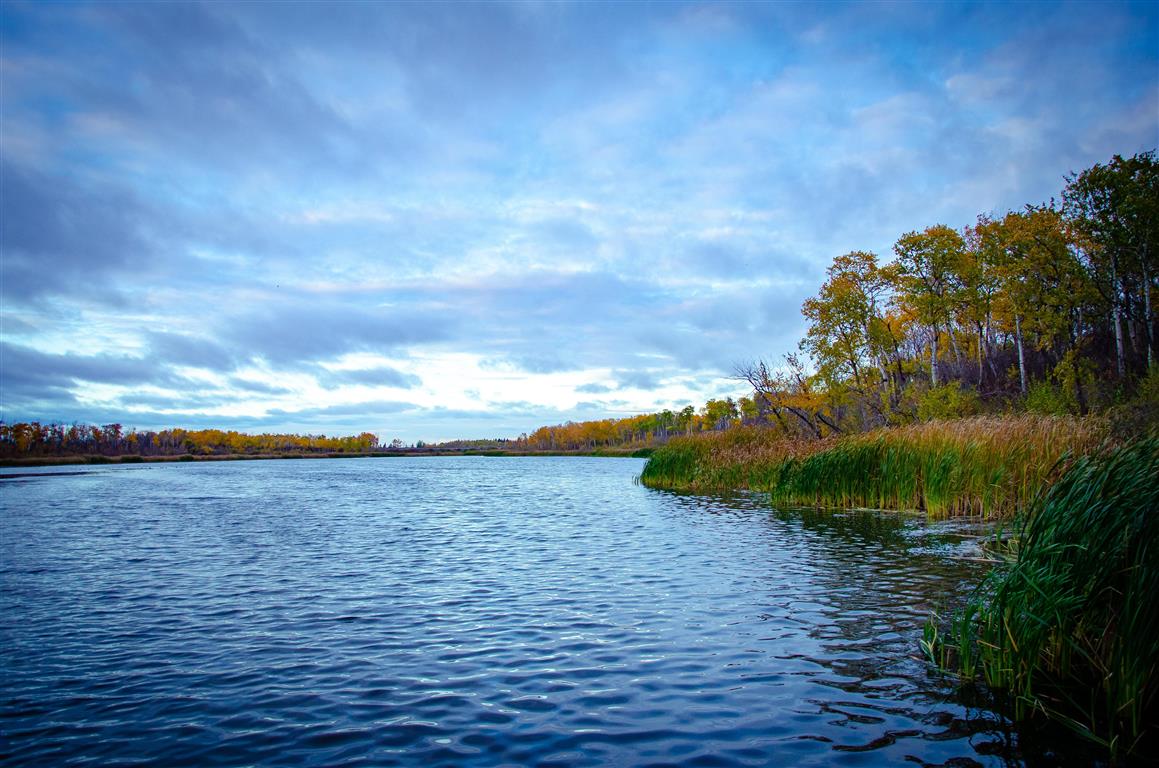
(981, 466)
(1069, 625)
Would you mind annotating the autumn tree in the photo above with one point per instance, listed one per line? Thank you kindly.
(928, 281)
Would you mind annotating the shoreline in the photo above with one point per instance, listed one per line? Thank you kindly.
(988, 466)
(98, 459)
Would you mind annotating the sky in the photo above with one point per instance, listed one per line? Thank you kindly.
(445, 220)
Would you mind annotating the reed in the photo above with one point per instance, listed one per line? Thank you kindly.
(990, 466)
(1069, 625)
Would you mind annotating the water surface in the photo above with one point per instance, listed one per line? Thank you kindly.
(465, 611)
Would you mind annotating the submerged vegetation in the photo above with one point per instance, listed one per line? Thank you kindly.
(1067, 625)
(983, 465)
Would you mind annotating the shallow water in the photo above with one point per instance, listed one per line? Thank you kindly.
(451, 611)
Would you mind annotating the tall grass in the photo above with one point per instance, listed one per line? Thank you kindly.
(1070, 625)
(987, 465)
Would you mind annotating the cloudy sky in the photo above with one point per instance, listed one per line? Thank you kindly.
(444, 220)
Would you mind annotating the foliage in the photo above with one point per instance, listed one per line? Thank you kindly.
(1068, 626)
(949, 401)
(638, 432)
(1148, 390)
(1047, 398)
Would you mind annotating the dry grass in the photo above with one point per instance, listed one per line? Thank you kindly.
(991, 466)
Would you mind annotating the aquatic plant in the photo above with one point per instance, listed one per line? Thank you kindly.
(986, 465)
(1068, 625)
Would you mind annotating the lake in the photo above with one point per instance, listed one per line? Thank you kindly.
(466, 611)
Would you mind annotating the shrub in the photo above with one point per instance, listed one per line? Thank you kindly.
(1049, 399)
(948, 401)
(1148, 391)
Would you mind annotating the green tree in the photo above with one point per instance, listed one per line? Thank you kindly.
(1114, 209)
(928, 280)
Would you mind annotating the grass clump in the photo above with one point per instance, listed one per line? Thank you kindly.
(986, 465)
(1068, 626)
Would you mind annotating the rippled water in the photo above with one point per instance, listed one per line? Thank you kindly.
(450, 611)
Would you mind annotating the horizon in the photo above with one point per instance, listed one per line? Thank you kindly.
(440, 222)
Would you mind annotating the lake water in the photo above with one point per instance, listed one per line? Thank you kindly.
(465, 611)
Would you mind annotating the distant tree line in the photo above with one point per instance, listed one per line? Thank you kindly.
(33, 439)
(644, 430)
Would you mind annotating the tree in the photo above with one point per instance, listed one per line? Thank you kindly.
(719, 414)
(849, 340)
(789, 392)
(840, 315)
(1046, 286)
(928, 281)
(1114, 209)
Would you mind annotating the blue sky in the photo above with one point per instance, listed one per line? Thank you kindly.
(468, 220)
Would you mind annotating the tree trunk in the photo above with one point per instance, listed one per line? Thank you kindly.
(934, 358)
(1021, 354)
(1078, 385)
(805, 420)
(1132, 331)
(990, 341)
(954, 346)
(1147, 312)
(832, 425)
(981, 344)
(1120, 356)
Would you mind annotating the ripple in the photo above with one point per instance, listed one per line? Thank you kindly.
(465, 612)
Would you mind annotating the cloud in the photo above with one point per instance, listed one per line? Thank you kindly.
(595, 388)
(60, 236)
(636, 379)
(383, 376)
(258, 387)
(292, 332)
(32, 381)
(198, 352)
(365, 409)
(27, 366)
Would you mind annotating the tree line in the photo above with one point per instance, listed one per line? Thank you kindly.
(644, 430)
(1047, 308)
(33, 439)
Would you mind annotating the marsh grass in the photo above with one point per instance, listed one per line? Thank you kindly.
(1069, 626)
(988, 466)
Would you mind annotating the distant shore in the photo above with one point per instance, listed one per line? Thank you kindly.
(52, 461)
